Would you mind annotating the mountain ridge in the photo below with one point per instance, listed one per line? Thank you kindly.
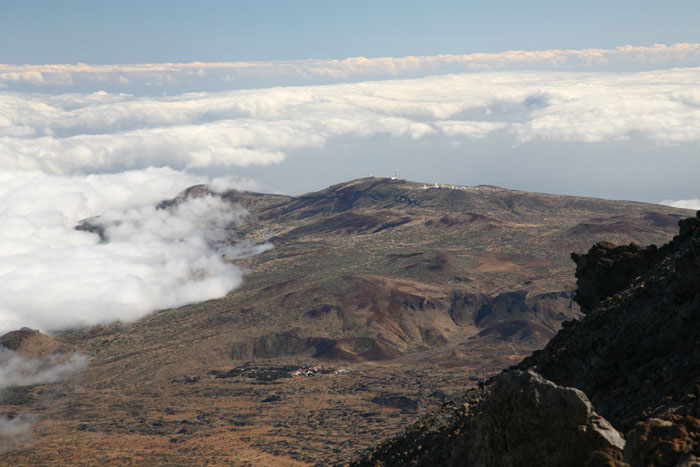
(418, 293)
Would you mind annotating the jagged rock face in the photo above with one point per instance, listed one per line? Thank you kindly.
(520, 419)
(609, 268)
(636, 353)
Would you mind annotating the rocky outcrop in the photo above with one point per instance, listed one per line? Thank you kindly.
(609, 268)
(520, 420)
(634, 354)
(674, 441)
(528, 420)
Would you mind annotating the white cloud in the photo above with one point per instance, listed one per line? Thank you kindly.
(471, 129)
(194, 76)
(53, 276)
(683, 203)
(18, 370)
(29, 76)
(70, 133)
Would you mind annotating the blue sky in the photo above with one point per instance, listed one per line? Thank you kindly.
(99, 32)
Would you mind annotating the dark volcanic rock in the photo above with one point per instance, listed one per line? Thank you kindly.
(92, 225)
(607, 269)
(196, 191)
(528, 420)
(521, 420)
(664, 442)
(635, 354)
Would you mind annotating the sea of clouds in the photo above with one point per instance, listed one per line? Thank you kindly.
(102, 131)
(80, 141)
(107, 143)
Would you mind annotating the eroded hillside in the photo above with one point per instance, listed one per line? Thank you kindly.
(413, 292)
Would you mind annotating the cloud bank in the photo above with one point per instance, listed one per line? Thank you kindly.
(182, 77)
(53, 276)
(95, 132)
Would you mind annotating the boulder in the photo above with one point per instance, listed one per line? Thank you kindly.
(528, 420)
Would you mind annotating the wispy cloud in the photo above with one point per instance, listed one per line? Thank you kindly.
(12, 428)
(18, 370)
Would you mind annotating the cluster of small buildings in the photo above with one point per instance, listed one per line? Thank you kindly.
(451, 187)
(319, 370)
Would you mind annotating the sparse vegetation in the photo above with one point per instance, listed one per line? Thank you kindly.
(366, 275)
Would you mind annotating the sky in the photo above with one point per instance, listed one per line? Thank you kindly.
(107, 108)
(132, 31)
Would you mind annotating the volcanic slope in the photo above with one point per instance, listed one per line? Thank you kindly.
(417, 291)
(635, 354)
(377, 268)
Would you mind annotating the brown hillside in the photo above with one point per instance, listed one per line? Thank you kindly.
(418, 292)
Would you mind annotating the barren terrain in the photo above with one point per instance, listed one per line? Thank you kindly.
(417, 293)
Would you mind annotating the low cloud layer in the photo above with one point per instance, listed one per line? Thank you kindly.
(53, 276)
(683, 203)
(182, 77)
(71, 133)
